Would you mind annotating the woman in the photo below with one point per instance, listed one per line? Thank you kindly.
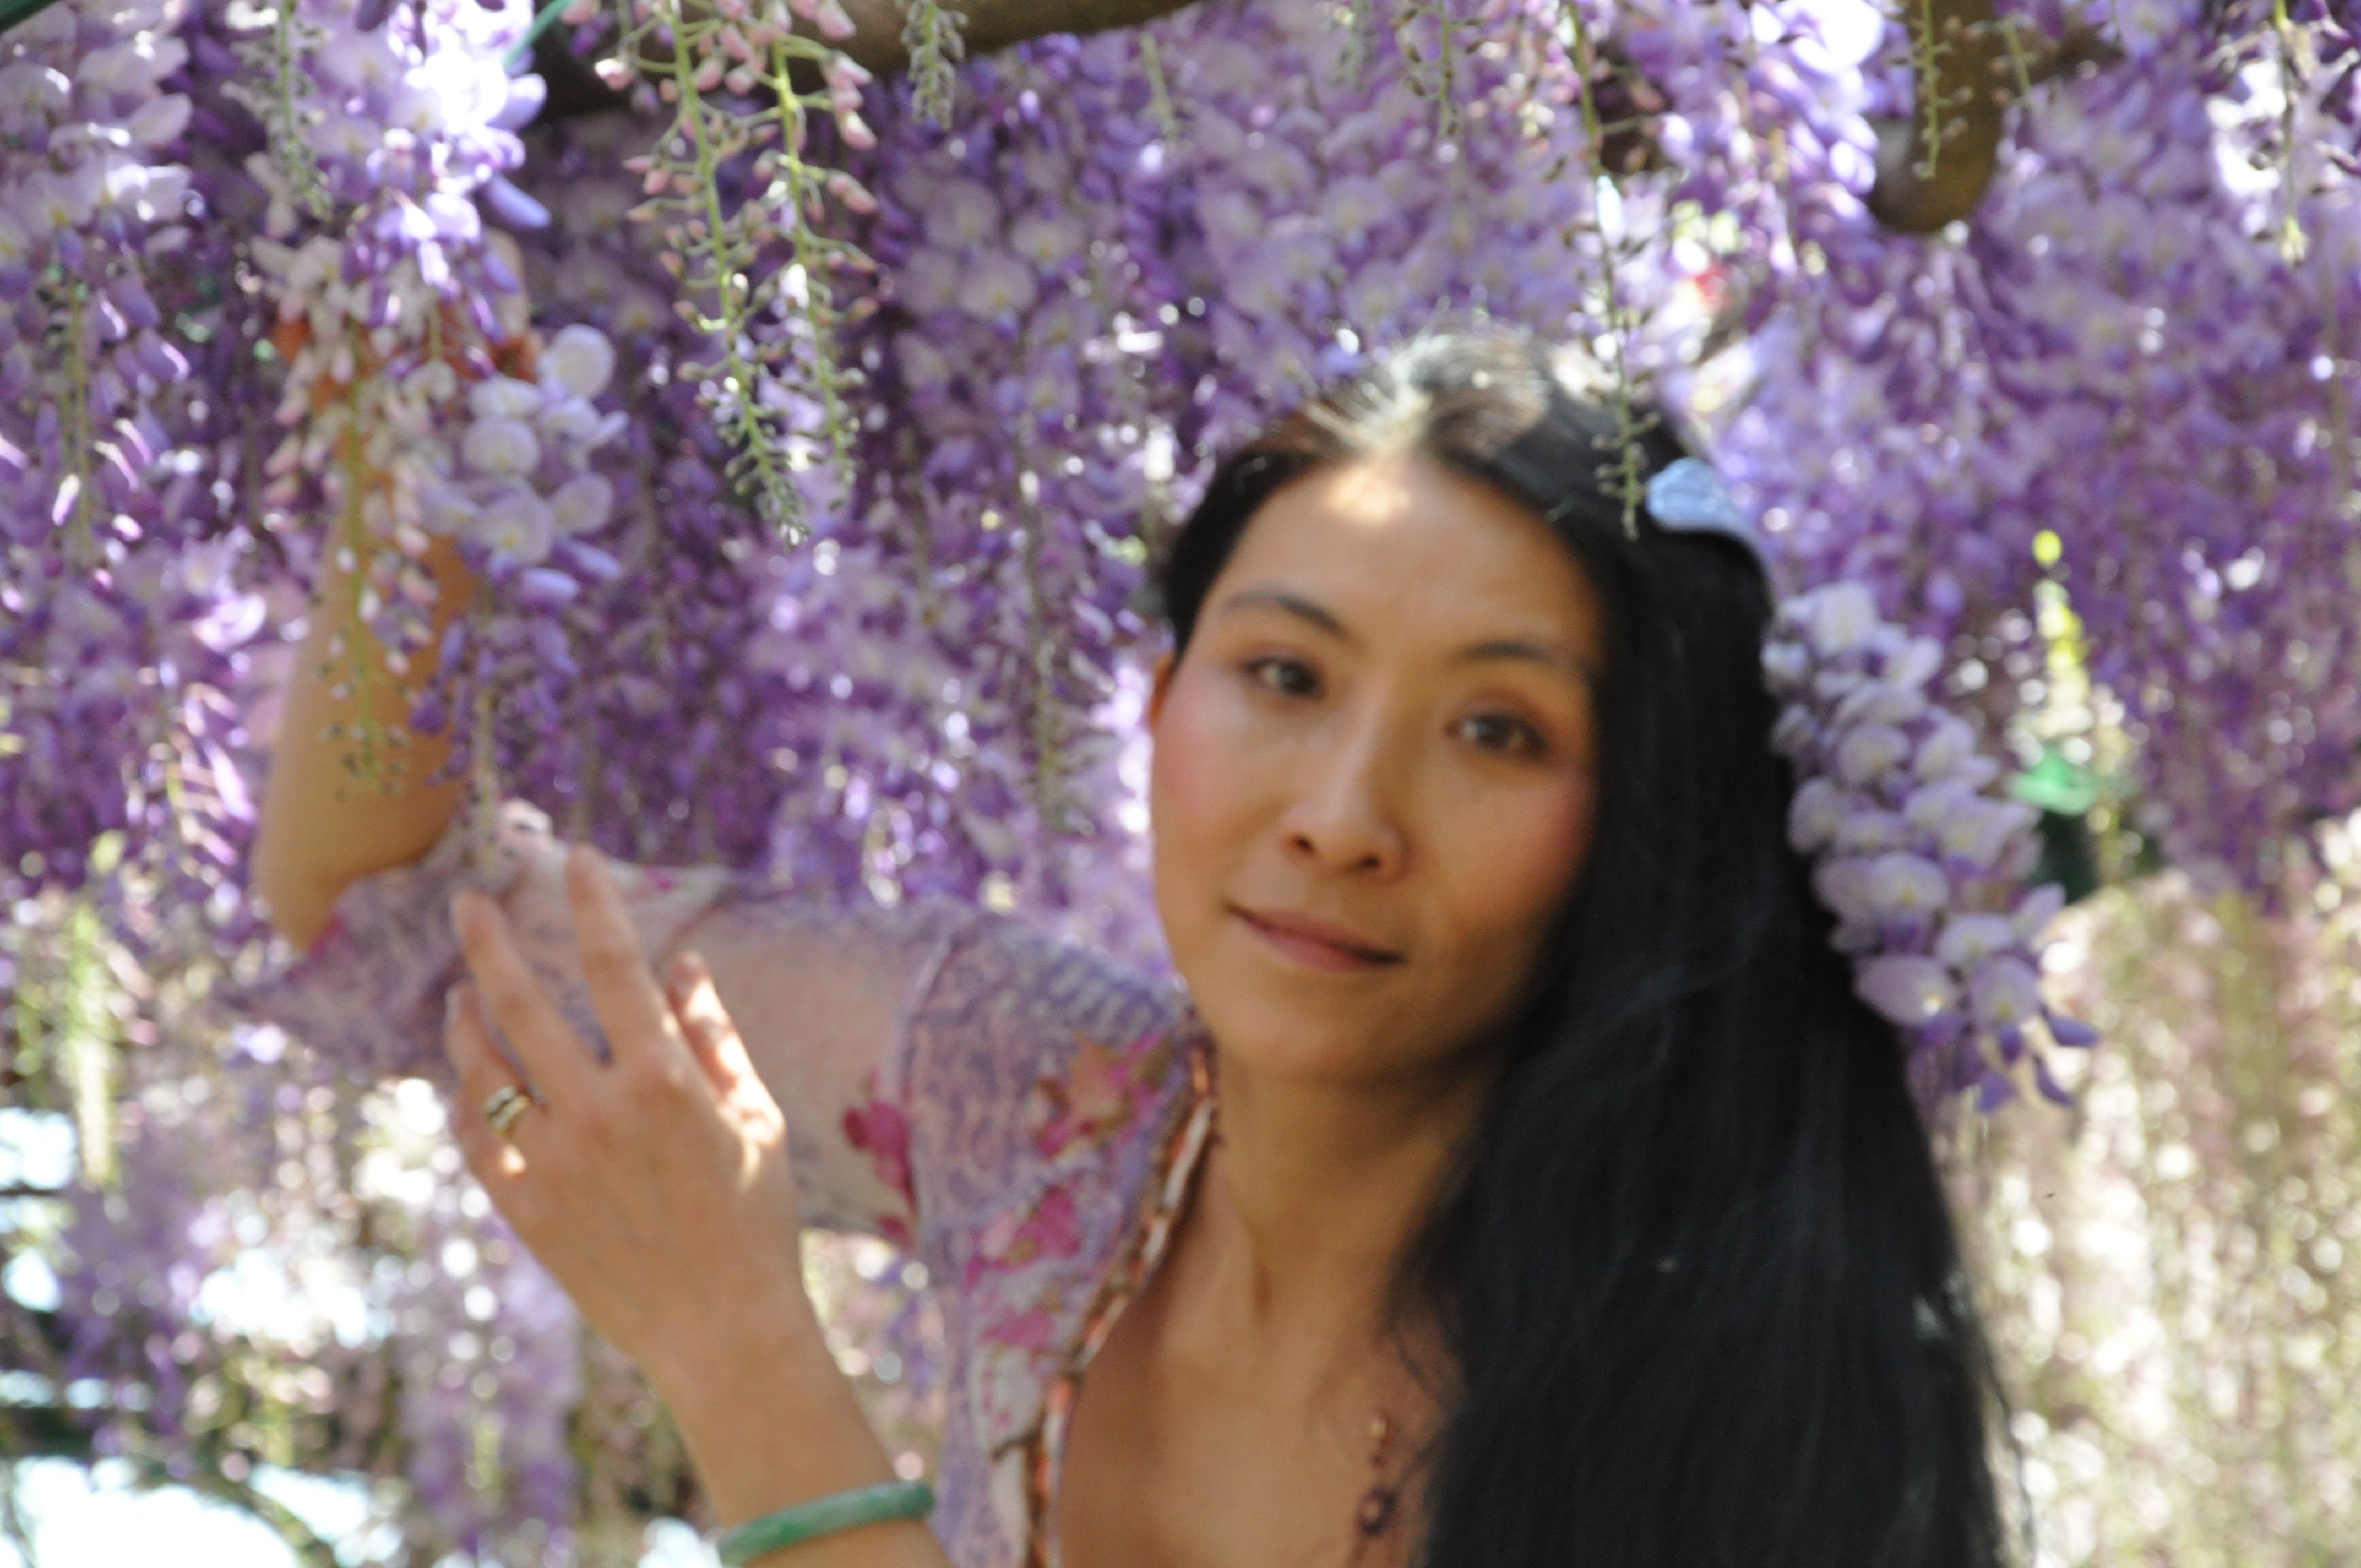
(1519, 1181)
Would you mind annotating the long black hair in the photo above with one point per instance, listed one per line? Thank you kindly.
(1694, 1265)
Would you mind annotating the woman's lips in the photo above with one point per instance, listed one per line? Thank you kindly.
(1313, 950)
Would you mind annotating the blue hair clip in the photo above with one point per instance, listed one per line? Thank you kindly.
(1689, 496)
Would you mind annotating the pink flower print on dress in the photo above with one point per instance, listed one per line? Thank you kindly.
(1052, 1229)
(1102, 1089)
(878, 1129)
(1034, 1329)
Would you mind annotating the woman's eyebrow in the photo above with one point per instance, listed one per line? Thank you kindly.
(1553, 654)
(1293, 604)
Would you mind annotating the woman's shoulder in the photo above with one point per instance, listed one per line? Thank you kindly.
(1049, 1131)
(1039, 1066)
(1006, 970)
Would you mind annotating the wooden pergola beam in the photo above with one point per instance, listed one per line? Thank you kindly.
(995, 23)
(1969, 67)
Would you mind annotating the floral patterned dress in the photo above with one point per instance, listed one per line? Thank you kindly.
(1023, 1117)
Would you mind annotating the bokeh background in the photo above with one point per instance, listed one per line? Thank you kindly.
(2035, 319)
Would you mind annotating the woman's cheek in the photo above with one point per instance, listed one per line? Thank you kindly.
(1528, 856)
(1192, 787)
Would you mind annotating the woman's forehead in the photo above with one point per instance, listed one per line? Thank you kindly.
(1397, 545)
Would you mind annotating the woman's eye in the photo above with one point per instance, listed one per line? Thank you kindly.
(1502, 732)
(1289, 677)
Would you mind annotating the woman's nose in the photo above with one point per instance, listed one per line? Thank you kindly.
(1344, 815)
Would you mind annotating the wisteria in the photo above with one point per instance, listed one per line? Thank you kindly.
(118, 615)
(2175, 1265)
(634, 707)
(390, 291)
(1918, 861)
(2083, 372)
(807, 437)
(746, 245)
(936, 37)
(989, 541)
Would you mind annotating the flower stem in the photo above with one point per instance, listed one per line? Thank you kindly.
(1630, 425)
(735, 409)
(74, 439)
(934, 36)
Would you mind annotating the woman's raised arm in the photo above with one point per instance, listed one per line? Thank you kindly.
(359, 879)
(322, 829)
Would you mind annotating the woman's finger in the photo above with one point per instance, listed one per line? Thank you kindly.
(483, 1073)
(614, 968)
(705, 1024)
(552, 1056)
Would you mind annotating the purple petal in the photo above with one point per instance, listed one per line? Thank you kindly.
(513, 206)
(2071, 1031)
(541, 587)
(2052, 1089)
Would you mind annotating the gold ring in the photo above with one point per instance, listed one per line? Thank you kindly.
(506, 1105)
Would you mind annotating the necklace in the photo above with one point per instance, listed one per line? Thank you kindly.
(1380, 1500)
(1376, 1514)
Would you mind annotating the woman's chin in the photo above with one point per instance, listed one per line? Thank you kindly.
(1284, 1036)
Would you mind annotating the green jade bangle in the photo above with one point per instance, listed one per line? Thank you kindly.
(825, 1516)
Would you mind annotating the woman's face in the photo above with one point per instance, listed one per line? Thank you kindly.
(1384, 727)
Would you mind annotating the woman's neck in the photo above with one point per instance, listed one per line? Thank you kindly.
(1305, 1205)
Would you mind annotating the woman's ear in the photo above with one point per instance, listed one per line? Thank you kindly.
(1162, 684)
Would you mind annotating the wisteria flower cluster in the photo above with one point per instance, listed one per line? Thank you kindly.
(2123, 376)
(974, 598)
(1918, 856)
(1332, 212)
(122, 618)
(626, 700)
(486, 1356)
(523, 476)
(397, 302)
(747, 246)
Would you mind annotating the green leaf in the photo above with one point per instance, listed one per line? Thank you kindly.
(2057, 784)
(15, 11)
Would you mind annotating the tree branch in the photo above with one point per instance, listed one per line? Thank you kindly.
(50, 1432)
(43, 1431)
(995, 23)
(38, 1340)
(876, 41)
(1938, 171)
(311, 1548)
(1970, 65)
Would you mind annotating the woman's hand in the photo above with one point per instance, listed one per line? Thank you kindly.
(655, 1186)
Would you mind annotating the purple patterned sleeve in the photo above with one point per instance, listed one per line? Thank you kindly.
(1026, 1058)
(368, 992)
